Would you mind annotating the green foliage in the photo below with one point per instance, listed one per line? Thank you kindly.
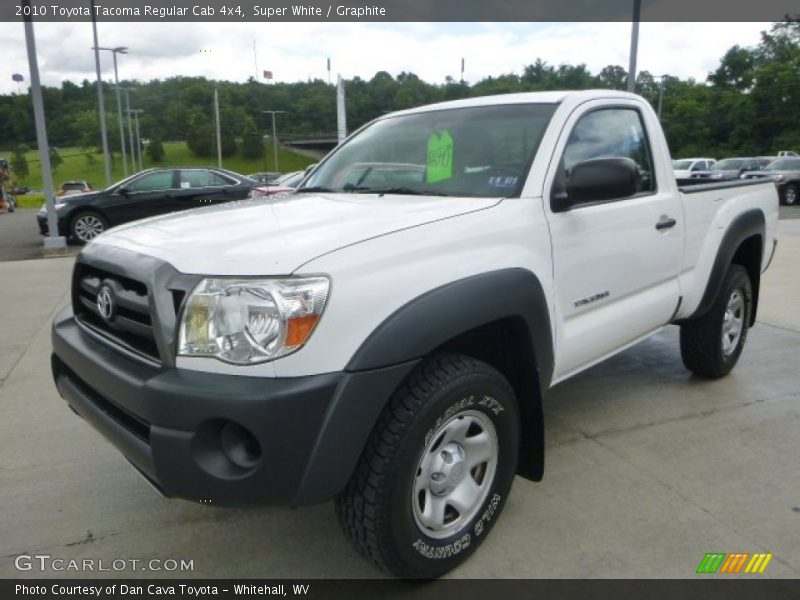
(86, 164)
(155, 151)
(749, 104)
(55, 159)
(19, 162)
(202, 138)
(252, 145)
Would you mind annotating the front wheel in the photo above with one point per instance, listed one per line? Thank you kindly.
(711, 344)
(86, 226)
(436, 471)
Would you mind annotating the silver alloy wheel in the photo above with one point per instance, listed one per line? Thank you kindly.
(790, 195)
(455, 474)
(733, 322)
(88, 227)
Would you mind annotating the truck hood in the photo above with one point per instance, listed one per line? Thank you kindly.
(276, 236)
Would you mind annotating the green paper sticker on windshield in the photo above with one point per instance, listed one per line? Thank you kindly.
(440, 156)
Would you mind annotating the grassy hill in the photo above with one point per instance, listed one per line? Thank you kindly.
(80, 165)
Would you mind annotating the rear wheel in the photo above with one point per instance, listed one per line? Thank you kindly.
(790, 194)
(436, 470)
(711, 345)
(87, 225)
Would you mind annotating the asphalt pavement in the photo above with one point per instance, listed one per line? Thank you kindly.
(648, 468)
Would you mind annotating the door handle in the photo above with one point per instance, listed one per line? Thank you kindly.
(665, 222)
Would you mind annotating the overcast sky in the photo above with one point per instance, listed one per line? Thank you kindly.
(298, 51)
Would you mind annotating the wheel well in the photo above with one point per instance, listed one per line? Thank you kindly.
(749, 255)
(506, 345)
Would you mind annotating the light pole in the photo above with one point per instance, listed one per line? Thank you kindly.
(53, 240)
(637, 9)
(217, 126)
(661, 93)
(114, 52)
(100, 101)
(130, 125)
(274, 135)
(136, 112)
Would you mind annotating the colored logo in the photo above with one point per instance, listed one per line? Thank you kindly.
(734, 563)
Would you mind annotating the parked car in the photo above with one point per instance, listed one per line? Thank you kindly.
(68, 188)
(146, 194)
(686, 167)
(788, 153)
(265, 177)
(785, 172)
(285, 184)
(732, 168)
(390, 347)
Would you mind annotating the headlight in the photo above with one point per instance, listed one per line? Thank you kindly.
(249, 321)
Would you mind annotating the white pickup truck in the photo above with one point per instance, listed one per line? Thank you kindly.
(385, 335)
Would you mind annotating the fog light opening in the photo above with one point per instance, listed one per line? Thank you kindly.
(239, 445)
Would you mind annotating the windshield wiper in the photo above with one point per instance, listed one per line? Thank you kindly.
(314, 188)
(395, 190)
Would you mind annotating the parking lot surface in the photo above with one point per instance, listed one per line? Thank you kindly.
(648, 467)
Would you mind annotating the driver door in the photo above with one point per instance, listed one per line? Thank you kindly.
(615, 265)
(146, 196)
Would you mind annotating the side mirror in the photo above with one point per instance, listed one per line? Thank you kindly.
(123, 191)
(597, 180)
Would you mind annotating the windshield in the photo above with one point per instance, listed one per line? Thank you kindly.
(480, 151)
(785, 164)
(729, 164)
(681, 165)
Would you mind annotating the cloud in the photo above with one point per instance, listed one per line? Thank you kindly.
(298, 51)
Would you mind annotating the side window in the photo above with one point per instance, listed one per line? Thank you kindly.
(612, 133)
(217, 180)
(194, 178)
(700, 165)
(160, 180)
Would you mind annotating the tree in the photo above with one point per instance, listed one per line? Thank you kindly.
(19, 162)
(202, 139)
(155, 150)
(252, 145)
(55, 159)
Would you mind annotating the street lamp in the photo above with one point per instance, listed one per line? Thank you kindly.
(53, 240)
(127, 91)
(661, 93)
(274, 135)
(136, 112)
(637, 9)
(100, 101)
(114, 52)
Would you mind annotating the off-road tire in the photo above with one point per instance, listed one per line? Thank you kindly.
(701, 338)
(376, 509)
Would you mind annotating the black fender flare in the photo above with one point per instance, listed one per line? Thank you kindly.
(746, 225)
(403, 339)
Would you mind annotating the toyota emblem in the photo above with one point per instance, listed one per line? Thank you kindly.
(105, 303)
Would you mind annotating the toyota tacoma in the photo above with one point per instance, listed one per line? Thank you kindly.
(385, 335)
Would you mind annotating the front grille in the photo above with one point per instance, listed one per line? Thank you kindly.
(130, 323)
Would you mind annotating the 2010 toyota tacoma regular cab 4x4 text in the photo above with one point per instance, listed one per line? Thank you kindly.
(385, 335)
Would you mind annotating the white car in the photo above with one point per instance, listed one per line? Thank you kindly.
(685, 168)
(389, 345)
